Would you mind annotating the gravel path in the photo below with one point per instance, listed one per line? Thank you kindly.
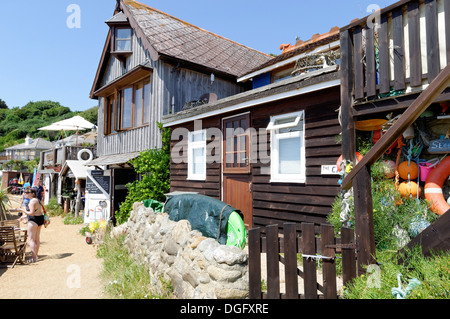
(67, 268)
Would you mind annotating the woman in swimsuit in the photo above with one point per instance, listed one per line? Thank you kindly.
(35, 222)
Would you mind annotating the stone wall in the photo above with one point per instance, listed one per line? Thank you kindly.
(197, 267)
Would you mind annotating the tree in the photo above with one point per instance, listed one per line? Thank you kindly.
(3, 104)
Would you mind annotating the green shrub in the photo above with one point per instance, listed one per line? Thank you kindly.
(390, 211)
(432, 272)
(72, 220)
(123, 278)
(154, 169)
(53, 208)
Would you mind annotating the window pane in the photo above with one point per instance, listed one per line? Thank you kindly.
(289, 156)
(123, 45)
(127, 107)
(146, 103)
(123, 33)
(198, 160)
(198, 137)
(138, 105)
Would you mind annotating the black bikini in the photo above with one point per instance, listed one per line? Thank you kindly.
(38, 220)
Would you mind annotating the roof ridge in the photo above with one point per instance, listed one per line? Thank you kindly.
(190, 24)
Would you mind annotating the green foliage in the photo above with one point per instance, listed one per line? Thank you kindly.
(4, 199)
(53, 208)
(72, 220)
(17, 123)
(433, 273)
(3, 104)
(123, 277)
(154, 169)
(389, 211)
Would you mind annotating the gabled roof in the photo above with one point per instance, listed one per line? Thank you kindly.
(291, 52)
(37, 144)
(167, 37)
(77, 167)
(175, 38)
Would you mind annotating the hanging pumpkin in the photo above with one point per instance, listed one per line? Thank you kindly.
(406, 168)
(407, 189)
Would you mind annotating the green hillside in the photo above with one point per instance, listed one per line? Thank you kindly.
(18, 122)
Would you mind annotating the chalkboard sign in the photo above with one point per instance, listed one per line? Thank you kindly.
(439, 146)
(102, 181)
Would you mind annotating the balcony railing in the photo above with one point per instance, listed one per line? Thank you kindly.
(57, 157)
(396, 50)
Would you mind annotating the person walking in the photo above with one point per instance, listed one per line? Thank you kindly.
(35, 217)
(40, 192)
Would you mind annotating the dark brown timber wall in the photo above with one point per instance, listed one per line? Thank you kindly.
(278, 203)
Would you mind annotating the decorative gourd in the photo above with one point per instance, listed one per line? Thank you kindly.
(406, 168)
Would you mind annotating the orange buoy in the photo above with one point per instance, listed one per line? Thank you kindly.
(339, 161)
(411, 169)
(408, 189)
(433, 187)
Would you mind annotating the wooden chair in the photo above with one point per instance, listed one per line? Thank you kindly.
(10, 246)
(14, 223)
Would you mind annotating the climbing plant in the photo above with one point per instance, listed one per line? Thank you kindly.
(153, 167)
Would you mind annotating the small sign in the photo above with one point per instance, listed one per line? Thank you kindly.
(439, 146)
(329, 170)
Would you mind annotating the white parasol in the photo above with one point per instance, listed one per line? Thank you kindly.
(73, 124)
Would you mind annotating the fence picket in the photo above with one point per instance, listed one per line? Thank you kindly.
(273, 264)
(328, 265)
(290, 258)
(309, 264)
(290, 244)
(254, 259)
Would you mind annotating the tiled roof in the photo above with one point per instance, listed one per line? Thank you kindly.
(176, 38)
(302, 47)
(38, 144)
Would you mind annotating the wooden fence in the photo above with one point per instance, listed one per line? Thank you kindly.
(283, 247)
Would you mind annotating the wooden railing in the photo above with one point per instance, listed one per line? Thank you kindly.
(57, 157)
(397, 50)
(284, 248)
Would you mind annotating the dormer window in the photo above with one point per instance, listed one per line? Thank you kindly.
(121, 36)
(122, 40)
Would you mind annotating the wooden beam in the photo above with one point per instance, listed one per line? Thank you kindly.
(428, 96)
(364, 227)
(434, 238)
(347, 120)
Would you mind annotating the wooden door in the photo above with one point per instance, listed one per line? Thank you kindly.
(236, 165)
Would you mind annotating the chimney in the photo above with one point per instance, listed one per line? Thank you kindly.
(28, 140)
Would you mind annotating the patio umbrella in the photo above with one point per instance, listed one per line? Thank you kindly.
(73, 124)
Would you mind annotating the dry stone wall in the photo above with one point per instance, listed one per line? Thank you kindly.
(198, 267)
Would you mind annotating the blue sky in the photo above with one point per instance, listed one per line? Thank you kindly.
(41, 58)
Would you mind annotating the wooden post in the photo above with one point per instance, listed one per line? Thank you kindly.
(348, 256)
(290, 259)
(273, 263)
(254, 262)
(347, 121)
(364, 228)
(328, 266)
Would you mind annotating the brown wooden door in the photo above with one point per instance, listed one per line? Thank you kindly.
(236, 165)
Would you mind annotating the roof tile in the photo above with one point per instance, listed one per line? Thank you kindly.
(179, 39)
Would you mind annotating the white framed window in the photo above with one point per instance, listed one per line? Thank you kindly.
(287, 144)
(197, 155)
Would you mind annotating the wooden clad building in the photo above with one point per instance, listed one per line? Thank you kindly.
(154, 64)
(263, 151)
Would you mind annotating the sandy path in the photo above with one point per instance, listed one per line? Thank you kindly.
(67, 268)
